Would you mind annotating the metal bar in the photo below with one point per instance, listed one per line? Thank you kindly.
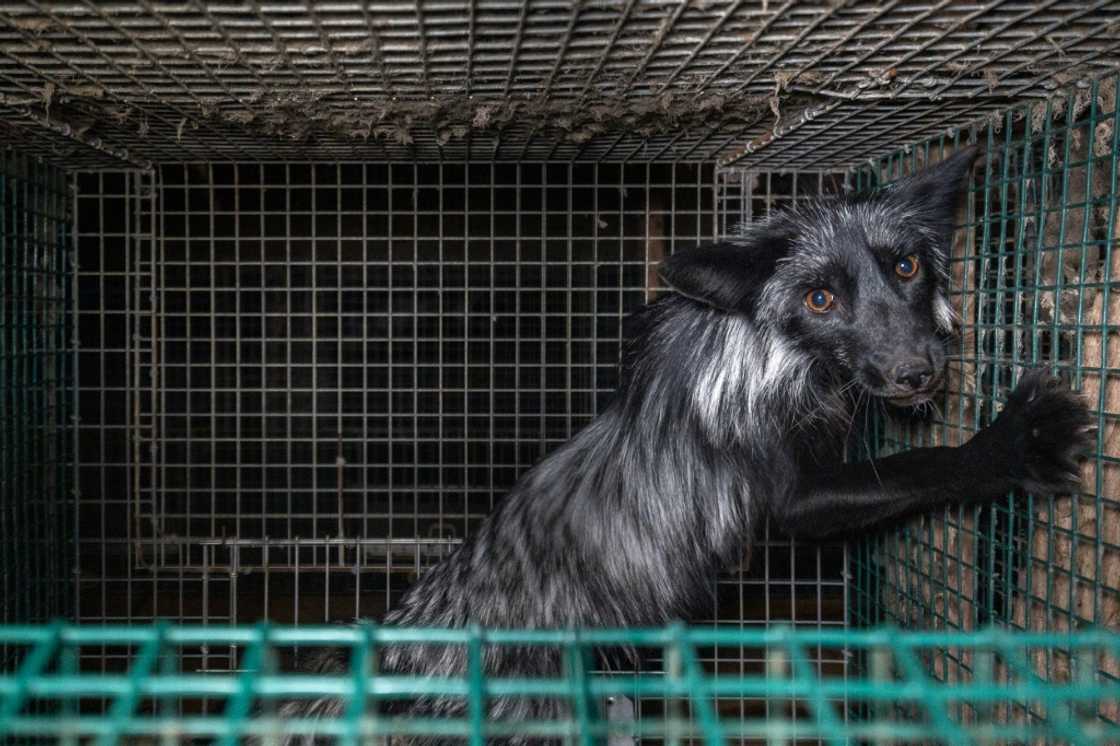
(240, 706)
(35, 662)
(125, 704)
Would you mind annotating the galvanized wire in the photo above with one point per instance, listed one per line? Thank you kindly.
(324, 375)
(543, 80)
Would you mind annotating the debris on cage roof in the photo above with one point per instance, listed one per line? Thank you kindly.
(820, 85)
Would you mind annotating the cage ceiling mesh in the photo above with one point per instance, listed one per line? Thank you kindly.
(773, 84)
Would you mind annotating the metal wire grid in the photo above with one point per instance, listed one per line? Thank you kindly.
(144, 697)
(1035, 279)
(746, 195)
(111, 242)
(502, 291)
(36, 391)
(650, 80)
(412, 335)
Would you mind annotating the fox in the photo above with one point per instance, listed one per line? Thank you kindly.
(737, 390)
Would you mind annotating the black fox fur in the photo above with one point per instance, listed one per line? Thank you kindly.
(735, 397)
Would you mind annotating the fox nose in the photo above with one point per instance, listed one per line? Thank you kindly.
(912, 373)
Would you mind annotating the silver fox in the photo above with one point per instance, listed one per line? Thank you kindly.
(736, 393)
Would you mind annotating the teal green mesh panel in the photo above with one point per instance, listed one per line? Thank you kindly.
(37, 384)
(1034, 279)
(150, 696)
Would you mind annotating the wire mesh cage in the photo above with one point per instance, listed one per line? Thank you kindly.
(314, 380)
(1027, 563)
(37, 374)
(294, 292)
(144, 700)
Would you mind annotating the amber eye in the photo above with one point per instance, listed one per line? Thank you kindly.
(907, 267)
(819, 300)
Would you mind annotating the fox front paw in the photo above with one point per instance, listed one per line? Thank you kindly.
(1045, 429)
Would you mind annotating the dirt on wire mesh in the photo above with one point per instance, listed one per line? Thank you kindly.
(306, 116)
(290, 115)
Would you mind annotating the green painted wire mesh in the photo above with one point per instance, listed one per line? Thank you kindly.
(48, 697)
(37, 385)
(1034, 279)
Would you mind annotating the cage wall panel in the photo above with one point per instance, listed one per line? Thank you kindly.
(408, 337)
(36, 390)
(1033, 276)
(113, 241)
(401, 339)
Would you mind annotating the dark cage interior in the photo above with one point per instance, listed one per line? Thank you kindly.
(293, 294)
(327, 374)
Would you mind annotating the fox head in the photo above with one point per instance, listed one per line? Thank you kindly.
(855, 285)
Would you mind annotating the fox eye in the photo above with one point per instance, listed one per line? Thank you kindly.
(907, 267)
(819, 300)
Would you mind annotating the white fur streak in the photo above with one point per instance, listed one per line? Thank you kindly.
(724, 372)
(944, 314)
(750, 381)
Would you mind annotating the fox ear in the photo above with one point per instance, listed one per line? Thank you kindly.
(717, 275)
(935, 192)
(727, 275)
